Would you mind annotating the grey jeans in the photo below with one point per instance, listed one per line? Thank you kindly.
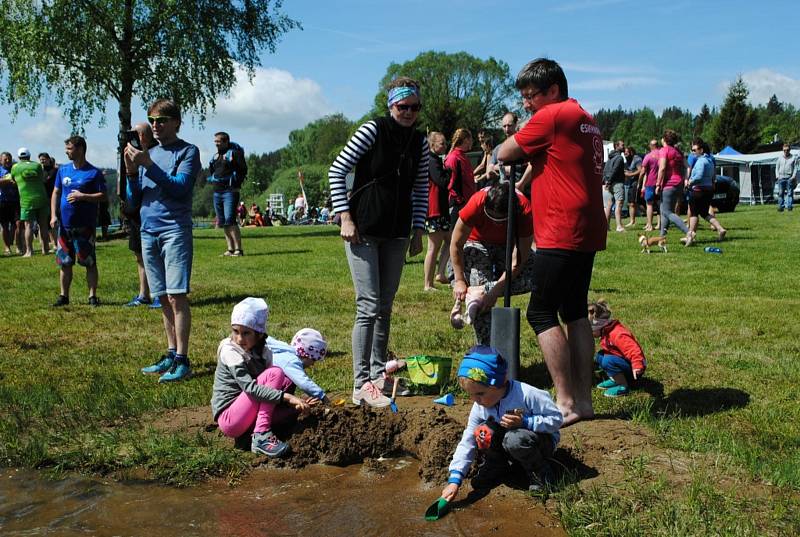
(376, 265)
(668, 198)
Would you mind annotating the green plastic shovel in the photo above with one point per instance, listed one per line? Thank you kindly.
(437, 509)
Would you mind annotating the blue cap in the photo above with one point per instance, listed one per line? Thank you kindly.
(483, 364)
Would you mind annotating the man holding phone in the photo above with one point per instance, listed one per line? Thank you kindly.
(163, 190)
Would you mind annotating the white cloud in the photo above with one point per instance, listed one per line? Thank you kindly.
(764, 83)
(258, 115)
(615, 83)
(49, 130)
(275, 103)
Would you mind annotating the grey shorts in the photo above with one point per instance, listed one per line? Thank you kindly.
(618, 189)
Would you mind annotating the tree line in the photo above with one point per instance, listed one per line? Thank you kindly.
(736, 123)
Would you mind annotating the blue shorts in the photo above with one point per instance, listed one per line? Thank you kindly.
(75, 245)
(225, 204)
(650, 194)
(167, 259)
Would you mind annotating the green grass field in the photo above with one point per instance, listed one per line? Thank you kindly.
(718, 331)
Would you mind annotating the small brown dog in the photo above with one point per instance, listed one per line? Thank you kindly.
(646, 242)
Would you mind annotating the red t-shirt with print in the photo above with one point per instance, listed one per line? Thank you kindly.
(565, 149)
(488, 231)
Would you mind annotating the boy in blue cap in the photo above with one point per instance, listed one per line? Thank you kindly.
(512, 424)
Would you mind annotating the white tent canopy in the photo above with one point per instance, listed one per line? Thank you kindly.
(757, 158)
(756, 173)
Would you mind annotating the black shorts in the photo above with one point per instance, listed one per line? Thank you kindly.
(700, 201)
(9, 214)
(134, 236)
(560, 287)
(454, 215)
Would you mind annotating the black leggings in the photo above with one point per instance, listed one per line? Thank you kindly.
(560, 287)
(700, 201)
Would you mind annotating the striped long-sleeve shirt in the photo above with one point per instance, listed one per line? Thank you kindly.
(356, 147)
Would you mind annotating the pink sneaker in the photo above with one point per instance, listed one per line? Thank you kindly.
(370, 395)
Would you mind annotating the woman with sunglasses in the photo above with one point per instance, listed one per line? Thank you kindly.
(388, 202)
(478, 255)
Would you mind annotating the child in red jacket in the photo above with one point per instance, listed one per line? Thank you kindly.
(620, 355)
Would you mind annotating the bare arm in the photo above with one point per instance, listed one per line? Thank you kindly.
(54, 199)
(457, 242)
(526, 178)
(510, 151)
(662, 172)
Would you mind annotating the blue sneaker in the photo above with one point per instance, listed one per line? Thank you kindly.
(179, 371)
(137, 301)
(606, 384)
(155, 304)
(616, 391)
(163, 365)
(268, 444)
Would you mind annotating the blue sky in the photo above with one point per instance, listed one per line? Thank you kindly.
(615, 53)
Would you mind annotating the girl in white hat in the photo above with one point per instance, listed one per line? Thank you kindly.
(250, 393)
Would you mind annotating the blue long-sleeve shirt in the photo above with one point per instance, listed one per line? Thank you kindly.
(164, 189)
(541, 415)
(702, 173)
(285, 357)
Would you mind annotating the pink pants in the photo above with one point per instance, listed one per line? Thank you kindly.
(240, 416)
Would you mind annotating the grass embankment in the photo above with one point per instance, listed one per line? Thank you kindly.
(718, 330)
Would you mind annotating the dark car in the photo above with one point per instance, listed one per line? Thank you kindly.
(726, 194)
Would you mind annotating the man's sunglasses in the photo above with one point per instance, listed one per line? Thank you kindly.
(160, 120)
(406, 107)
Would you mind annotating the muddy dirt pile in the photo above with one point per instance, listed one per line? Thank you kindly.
(348, 435)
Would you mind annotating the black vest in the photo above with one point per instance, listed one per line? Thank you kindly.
(381, 200)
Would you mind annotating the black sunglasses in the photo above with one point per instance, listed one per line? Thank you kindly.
(405, 107)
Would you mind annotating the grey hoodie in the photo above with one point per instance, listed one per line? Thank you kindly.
(237, 371)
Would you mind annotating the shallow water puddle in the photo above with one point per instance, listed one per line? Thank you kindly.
(317, 500)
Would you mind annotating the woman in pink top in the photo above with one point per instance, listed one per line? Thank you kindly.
(648, 177)
(669, 183)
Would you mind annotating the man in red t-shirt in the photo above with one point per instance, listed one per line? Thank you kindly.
(565, 151)
(478, 255)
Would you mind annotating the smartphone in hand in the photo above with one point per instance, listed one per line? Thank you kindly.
(133, 138)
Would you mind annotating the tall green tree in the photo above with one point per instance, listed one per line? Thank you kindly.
(82, 53)
(458, 90)
(260, 172)
(737, 123)
(313, 143)
(701, 120)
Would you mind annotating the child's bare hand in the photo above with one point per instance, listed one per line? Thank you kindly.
(450, 492)
(298, 404)
(313, 401)
(637, 373)
(511, 421)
